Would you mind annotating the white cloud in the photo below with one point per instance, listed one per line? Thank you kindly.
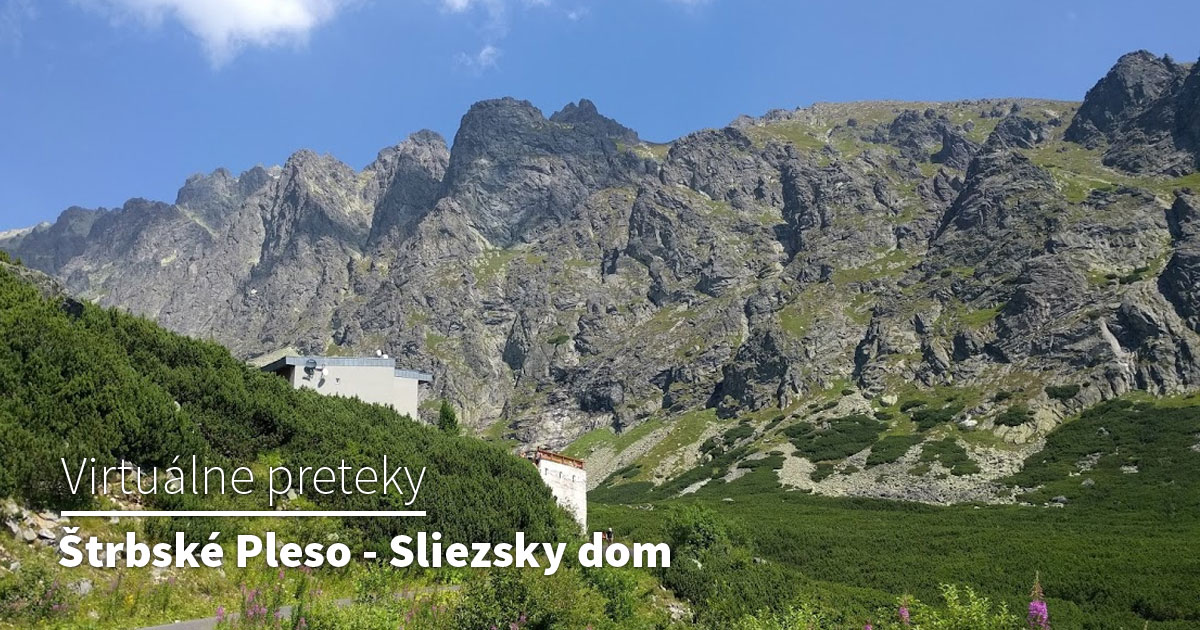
(485, 59)
(13, 16)
(496, 11)
(224, 27)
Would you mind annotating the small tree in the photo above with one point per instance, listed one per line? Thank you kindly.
(447, 418)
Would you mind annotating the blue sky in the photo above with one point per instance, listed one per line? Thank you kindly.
(102, 100)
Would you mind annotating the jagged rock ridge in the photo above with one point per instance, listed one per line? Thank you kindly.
(560, 274)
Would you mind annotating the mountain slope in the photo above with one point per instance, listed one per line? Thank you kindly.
(563, 278)
(83, 382)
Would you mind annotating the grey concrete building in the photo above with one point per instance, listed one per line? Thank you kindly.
(372, 379)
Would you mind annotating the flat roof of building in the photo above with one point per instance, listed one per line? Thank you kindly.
(323, 362)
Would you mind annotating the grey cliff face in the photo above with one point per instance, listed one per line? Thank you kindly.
(1180, 281)
(559, 274)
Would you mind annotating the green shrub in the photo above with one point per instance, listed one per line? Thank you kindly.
(840, 438)
(927, 418)
(773, 461)
(965, 610)
(951, 455)
(629, 472)
(1062, 392)
(696, 528)
(739, 432)
(823, 471)
(619, 589)
(1014, 416)
(447, 418)
(891, 448)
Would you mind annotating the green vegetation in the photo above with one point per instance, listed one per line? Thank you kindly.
(739, 432)
(795, 319)
(1120, 554)
(1014, 416)
(773, 461)
(822, 471)
(838, 439)
(1144, 459)
(1062, 392)
(605, 437)
(929, 417)
(685, 430)
(891, 448)
(81, 381)
(799, 134)
(1078, 171)
(949, 453)
(447, 419)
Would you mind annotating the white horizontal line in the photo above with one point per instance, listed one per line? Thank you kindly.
(241, 513)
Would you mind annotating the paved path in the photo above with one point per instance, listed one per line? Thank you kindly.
(211, 622)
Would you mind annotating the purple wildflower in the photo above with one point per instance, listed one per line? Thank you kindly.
(1039, 614)
(220, 614)
(904, 615)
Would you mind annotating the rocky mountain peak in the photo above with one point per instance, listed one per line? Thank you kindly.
(1135, 82)
(255, 178)
(584, 114)
(425, 148)
(493, 119)
(1145, 108)
(211, 198)
(409, 177)
(513, 171)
